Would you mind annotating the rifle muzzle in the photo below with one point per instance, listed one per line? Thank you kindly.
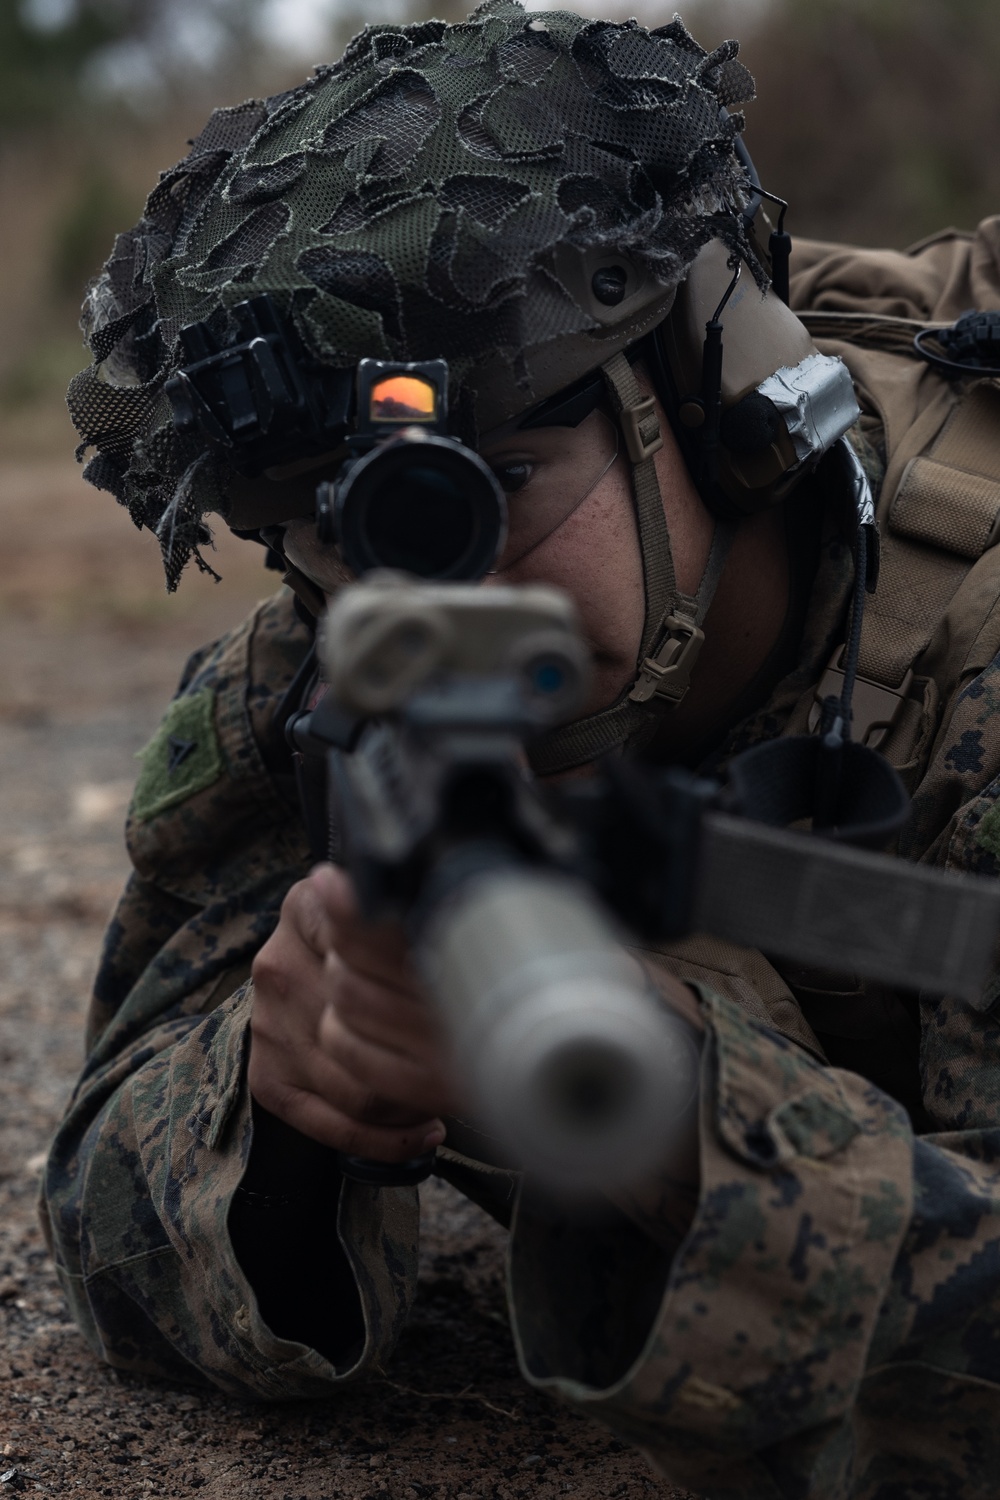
(573, 1061)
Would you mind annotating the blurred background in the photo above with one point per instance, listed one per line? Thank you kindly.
(877, 119)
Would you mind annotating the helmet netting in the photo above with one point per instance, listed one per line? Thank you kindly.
(405, 203)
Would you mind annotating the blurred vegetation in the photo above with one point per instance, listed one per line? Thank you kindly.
(52, 51)
(877, 119)
(40, 68)
(96, 97)
(83, 231)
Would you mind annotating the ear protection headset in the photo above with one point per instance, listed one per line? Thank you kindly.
(752, 402)
(754, 406)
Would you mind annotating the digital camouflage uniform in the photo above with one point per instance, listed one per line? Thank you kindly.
(831, 1324)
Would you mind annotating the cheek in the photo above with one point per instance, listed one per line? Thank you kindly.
(594, 556)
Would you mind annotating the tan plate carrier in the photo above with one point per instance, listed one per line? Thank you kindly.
(939, 512)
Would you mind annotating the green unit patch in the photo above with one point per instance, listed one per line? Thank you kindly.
(182, 758)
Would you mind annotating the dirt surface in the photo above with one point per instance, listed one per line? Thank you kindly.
(89, 652)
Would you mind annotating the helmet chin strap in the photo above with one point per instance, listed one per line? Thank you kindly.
(672, 636)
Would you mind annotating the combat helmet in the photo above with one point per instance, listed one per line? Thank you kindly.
(522, 194)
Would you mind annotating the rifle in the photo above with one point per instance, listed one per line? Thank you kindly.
(520, 900)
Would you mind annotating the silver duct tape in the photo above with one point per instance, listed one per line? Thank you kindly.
(816, 399)
(806, 899)
(864, 500)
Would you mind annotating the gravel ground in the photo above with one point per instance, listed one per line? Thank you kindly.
(89, 652)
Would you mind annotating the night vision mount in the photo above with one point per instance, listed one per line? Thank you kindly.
(262, 399)
(406, 496)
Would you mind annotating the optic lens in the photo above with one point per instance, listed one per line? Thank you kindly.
(422, 524)
(403, 398)
(421, 504)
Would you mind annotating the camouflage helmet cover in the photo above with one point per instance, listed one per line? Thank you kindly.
(442, 190)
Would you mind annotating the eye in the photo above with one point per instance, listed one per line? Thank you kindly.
(513, 475)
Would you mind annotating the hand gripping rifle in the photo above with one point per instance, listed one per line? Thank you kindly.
(520, 900)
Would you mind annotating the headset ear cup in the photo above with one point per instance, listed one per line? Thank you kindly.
(758, 463)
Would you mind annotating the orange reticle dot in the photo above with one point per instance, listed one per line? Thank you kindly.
(403, 396)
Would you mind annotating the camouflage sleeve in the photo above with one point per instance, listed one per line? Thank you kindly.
(145, 1167)
(829, 1325)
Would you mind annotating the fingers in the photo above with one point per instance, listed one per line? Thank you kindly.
(294, 1079)
(377, 949)
(411, 1072)
(322, 1121)
(343, 1046)
(304, 929)
(319, 916)
(398, 1020)
(288, 1056)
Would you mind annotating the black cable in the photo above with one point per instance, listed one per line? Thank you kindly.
(852, 650)
(730, 289)
(779, 248)
(711, 386)
(951, 366)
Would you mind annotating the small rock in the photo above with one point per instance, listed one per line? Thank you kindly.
(9, 1288)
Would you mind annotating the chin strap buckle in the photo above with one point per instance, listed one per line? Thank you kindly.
(667, 673)
(641, 429)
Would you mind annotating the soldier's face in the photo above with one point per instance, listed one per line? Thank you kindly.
(593, 550)
(573, 525)
(594, 555)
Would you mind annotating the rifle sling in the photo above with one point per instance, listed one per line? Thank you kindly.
(812, 901)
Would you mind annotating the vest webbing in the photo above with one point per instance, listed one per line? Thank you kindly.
(940, 520)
